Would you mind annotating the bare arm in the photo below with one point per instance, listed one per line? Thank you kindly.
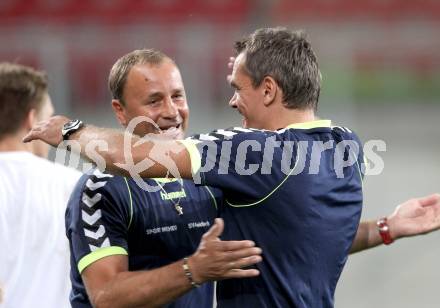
(366, 237)
(147, 157)
(413, 217)
(109, 283)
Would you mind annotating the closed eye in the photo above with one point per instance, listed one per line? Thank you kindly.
(234, 86)
(154, 98)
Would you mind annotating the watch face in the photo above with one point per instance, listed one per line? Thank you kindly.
(70, 124)
(70, 127)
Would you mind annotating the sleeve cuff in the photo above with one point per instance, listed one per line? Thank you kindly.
(194, 154)
(99, 254)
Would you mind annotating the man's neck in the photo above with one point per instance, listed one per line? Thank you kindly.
(13, 144)
(285, 117)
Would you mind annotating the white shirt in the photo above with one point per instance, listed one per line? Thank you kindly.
(34, 251)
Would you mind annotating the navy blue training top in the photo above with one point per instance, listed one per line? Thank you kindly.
(111, 215)
(296, 192)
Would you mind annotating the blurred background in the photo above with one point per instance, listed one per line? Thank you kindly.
(380, 61)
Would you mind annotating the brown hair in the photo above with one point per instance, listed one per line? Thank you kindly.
(21, 89)
(119, 72)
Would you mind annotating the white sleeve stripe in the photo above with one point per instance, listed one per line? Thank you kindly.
(90, 202)
(91, 219)
(95, 235)
(94, 186)
(101, 175)
(105, 243)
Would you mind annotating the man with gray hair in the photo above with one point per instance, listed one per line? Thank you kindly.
(292, 183)
(132, 242)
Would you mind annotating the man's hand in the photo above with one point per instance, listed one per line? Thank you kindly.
(48, 131)
(415, 216)
(216, 259)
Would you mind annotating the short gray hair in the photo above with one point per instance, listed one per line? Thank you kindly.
(288, 58)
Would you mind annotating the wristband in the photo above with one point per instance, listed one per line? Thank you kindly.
(188, 273)
(384, 231)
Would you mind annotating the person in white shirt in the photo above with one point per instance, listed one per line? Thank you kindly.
(34, 258)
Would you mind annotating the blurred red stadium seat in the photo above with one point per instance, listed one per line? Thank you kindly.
(285, 10)
(113, 11)
(25, 58)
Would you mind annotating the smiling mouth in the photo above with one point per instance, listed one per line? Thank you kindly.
(171, 127)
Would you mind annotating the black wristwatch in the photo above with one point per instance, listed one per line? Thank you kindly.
(70, 127)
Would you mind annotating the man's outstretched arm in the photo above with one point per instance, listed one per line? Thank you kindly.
(416, 216)
(413, 217)
(148, 157)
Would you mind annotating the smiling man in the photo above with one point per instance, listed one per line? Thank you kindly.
(154, 89)
(305, 221)
(132, 247)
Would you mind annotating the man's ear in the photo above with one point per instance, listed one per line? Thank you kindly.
(270, 88)
(119, 111)
(30, 120)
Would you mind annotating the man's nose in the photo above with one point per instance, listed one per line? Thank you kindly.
(169, 109)
(233, 101)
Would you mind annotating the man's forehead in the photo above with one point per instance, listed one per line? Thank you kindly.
(238, 71)
(152, 70)
(238, 63)
(167, 73)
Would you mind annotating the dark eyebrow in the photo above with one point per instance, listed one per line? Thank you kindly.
(234, 85)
